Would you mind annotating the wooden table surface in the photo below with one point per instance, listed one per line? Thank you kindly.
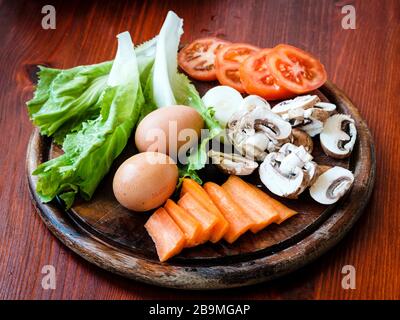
(364, 62)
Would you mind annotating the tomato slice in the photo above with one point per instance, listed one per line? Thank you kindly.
(228, 61)
(198, 58)
(257, 79)
(295, 69)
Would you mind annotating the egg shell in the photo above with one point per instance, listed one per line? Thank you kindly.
(145, 181)
(164, 121)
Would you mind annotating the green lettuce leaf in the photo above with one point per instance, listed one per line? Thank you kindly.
(64, 99)
(186, 94)
(89, 152)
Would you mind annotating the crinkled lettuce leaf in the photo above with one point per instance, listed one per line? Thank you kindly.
(64, 99)
(89, 152)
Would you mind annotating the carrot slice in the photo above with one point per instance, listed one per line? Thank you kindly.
(261, 212)
(189, 225)
(238, 221)
(204, 199)
(284, 212)
(206, 219)
(167, 236)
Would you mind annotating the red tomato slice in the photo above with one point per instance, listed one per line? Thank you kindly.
(228, 61)
(295, 69)
(198, 58)
(257, 79)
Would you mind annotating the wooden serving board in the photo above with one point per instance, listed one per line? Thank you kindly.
(114, 238)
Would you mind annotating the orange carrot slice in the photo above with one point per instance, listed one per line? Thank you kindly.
(284, 212)
(204, 199)
(189, 225)
(263, 213)
(238, 221)
(167, 236)
(206, 219)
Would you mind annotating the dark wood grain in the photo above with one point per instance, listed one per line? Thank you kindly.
(362, 62)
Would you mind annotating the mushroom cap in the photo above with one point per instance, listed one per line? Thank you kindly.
(288, 172)
(274, 127)
(302, 138)
(335, 141)
(231, 163)
(331, 185)
(279, 184)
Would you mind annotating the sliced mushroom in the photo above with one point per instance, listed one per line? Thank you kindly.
(292, 156)
(301, 102)
(255, 131)
(305, 112)
(331, 185)
(312, 126)
(327, 106)
(302, 138)
(255, 146)
(288, 173)
(338, 136)
(232, 163)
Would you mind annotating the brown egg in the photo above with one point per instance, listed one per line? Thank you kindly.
(163, 130)
(145, 181)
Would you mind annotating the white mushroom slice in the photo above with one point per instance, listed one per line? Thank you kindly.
(225, 101)
(279, 184)
(305, 112)
(232, 163)
(302, 138)
(253, 101)
(313, 127)
(288, 172)
(274, 127)
(338, 136)
(331, 185)
(256, 131)
(255, 145)
(294, 157)
(327, 106)
(294, 115)
(301, 102)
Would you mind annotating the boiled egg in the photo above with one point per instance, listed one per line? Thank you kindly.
(171, 130)
(145, 181)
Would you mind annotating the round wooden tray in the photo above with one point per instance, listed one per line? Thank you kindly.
(106, 234)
